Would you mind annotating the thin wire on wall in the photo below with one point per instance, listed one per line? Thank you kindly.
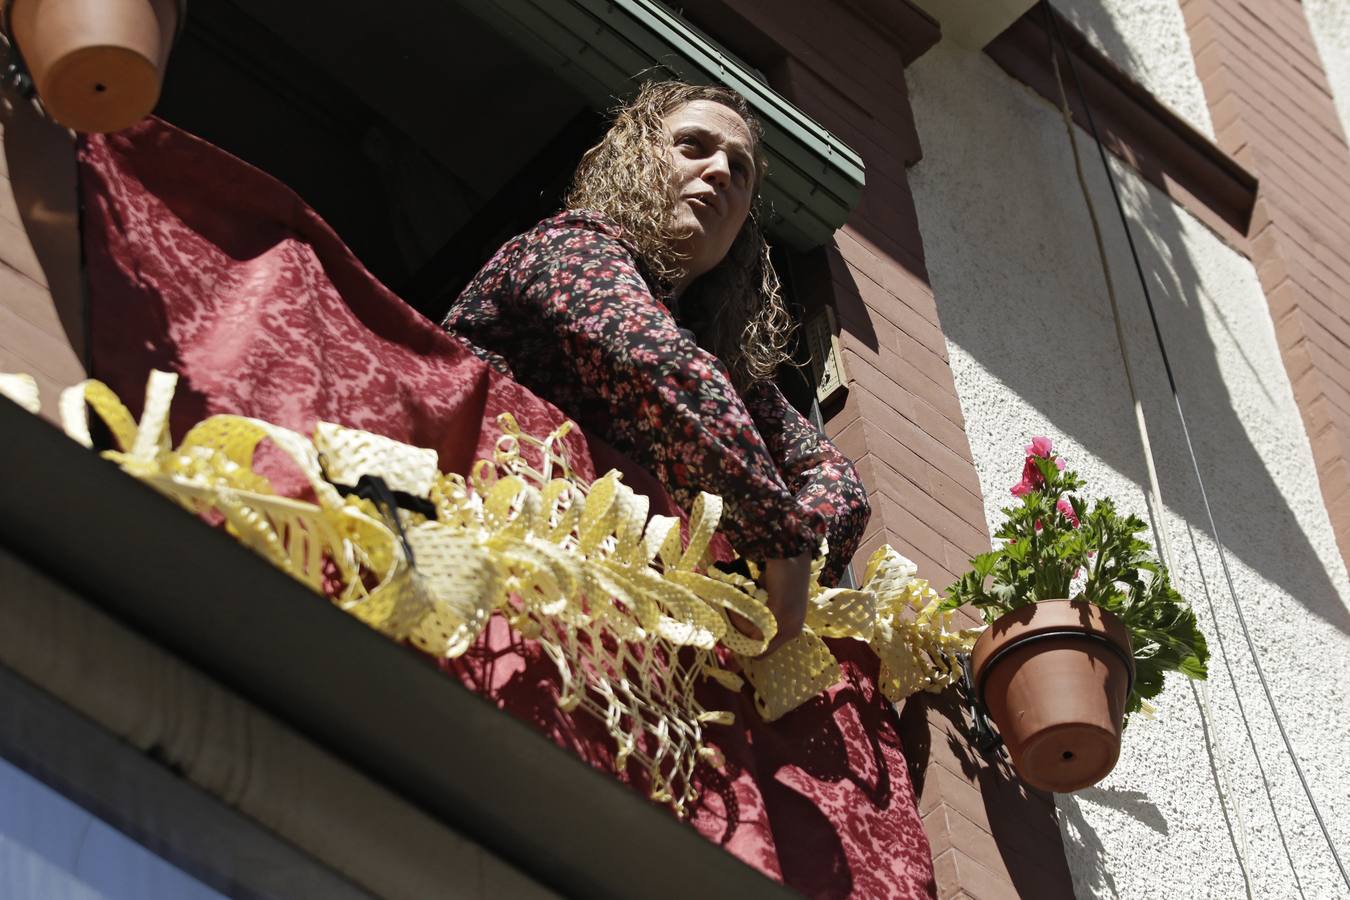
(1218, 759)
(1204, 496)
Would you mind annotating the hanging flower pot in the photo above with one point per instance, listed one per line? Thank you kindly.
(1054, 677)
(1059, 677)
(97, 64)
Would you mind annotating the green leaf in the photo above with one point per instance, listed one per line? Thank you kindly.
(1120, 573)
(984, 564)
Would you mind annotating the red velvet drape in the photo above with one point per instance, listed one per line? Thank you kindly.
(198, 263)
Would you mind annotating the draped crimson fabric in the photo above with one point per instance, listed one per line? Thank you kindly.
(199, 264)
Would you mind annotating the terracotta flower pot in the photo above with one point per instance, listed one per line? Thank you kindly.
(97, 64)
(1055, 676)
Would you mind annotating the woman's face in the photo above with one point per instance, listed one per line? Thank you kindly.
(713, 154)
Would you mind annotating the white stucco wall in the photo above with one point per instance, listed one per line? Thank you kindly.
(1330, 24)
(1147, 38)
(1020, 293)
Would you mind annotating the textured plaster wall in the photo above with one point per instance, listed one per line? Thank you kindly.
(1020, 293)
(1147, 38)
(1330, 24)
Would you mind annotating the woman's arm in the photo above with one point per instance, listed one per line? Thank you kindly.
(648, 389)
(822, 478)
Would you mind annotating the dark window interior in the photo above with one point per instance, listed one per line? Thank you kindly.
(421, 135)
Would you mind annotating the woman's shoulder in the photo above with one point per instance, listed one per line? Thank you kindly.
(572, 241)
(579, 224)
(559, 236)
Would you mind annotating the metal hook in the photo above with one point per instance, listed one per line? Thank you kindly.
(15, 75)
(983, 736)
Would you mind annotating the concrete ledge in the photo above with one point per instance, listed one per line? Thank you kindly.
(974, 23)
(372, 703)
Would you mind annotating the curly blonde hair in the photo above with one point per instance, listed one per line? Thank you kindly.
(737, 309)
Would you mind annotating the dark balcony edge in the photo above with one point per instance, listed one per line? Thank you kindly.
(391, 715)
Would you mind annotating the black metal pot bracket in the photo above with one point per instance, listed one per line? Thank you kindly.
(14, 74)
(983, 737)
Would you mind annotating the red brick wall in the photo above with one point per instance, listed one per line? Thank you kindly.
(902, 424)
(41, 299)
(1272, 110)
(902, 420)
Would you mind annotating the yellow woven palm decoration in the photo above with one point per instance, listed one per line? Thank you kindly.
(630, 615)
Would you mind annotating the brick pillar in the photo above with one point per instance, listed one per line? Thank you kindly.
(41, 293)
(844, 64)
(1272, 110)
(991, 836)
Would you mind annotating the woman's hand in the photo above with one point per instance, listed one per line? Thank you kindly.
(787, 582)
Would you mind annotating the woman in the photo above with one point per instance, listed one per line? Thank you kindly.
(587, 311)
(199, 263)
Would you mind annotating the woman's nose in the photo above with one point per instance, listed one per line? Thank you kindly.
(718, 169)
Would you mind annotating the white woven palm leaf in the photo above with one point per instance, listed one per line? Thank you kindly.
(630, 614)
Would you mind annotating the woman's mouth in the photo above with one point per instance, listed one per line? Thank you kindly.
(704, 202)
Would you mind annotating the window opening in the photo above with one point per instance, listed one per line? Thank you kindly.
(417, 156)
(51, 847)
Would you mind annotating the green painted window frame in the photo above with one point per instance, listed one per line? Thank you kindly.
(603, 48)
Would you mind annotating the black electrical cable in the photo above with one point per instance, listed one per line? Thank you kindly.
(1159, 528)
(1190, 449)
(1242, 714)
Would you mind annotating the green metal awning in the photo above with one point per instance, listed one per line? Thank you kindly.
(604, 48)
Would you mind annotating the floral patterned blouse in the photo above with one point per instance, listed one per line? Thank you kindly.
(564, 310)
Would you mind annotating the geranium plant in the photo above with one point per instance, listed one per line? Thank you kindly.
(1054, 546)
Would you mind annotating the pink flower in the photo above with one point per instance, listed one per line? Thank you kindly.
(1066, 510)
(1039, 446)
(1032, 479)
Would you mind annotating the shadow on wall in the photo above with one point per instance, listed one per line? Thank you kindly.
(1008, 242)
(39, 159)
(1082, 841)
(1021, 819)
